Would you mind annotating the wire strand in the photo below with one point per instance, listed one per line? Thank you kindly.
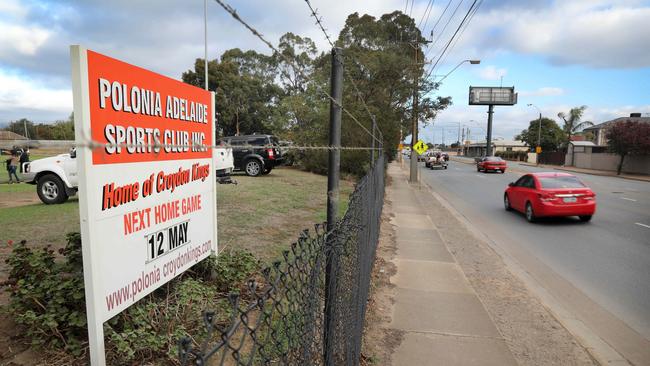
(233, 13)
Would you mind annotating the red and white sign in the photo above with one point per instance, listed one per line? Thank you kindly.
(147, 194)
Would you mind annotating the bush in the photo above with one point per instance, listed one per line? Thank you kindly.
(47, 299)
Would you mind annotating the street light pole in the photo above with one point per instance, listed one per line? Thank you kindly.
(205, 30)
(473, 62)
(539, 132)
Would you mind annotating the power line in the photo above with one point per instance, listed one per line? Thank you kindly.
(233, 13)
(452, 37)
(445, 27)
(427, 10)
(460, 35)
(440, 17)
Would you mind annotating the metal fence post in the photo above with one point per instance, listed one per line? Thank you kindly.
(333, 175)
(372, 152)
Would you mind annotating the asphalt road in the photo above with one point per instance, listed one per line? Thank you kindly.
(606, 260)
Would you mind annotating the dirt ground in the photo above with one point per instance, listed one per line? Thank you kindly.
(532, 333)
(379, 342)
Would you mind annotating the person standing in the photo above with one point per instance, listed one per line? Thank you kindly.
(13, 167)
(24, 158)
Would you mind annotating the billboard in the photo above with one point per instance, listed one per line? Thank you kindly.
(147, 195)
(488, 95)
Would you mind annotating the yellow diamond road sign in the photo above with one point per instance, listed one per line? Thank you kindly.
(420, 147)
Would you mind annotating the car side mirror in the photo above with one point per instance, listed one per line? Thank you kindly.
(511, 184)
(73, 153)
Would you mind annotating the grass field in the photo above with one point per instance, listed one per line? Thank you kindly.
(263, 214)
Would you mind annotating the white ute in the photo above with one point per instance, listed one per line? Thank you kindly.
(56, 177)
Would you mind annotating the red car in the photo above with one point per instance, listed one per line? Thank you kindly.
(491, 163)
(550, 194)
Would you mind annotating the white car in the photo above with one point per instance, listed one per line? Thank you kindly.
(56, 177)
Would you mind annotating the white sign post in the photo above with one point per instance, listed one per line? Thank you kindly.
(147, 195)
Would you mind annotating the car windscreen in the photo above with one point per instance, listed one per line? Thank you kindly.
(259, 141)
(493, 158)
(560, 182)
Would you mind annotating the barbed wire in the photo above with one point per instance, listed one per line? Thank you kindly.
(93, 144)
(233, 12)
(319, 22)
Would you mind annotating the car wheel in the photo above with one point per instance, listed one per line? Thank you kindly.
(506, 202)
(585, 218)
(478, 169)
(267, 171)
(503, 171)
(51, 190)
(253, 167)
(530, 214)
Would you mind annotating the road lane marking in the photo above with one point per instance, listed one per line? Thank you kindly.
(644, 225)
(628, 199)
(480, 176)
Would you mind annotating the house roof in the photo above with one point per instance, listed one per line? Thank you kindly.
(8, 135)
(615, 120)
(506, 143)
(582, 143)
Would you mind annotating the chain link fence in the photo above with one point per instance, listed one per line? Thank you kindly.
(281, 319)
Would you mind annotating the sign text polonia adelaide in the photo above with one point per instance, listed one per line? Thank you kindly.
(147, 185)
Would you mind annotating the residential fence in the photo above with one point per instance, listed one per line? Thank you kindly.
(281, 319)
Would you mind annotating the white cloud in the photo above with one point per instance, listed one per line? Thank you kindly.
(595, 33)
(25, 40)
(543, 92)
(19, 93)
(13, 8)
(492, 73)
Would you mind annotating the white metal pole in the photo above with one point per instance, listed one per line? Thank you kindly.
(205, 21)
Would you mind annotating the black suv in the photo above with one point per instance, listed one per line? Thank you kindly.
(255, 154)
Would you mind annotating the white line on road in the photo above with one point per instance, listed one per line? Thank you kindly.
(480, 176)
(644, 225)
(628, 199)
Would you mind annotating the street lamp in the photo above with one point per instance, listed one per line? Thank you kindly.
(538, 149)
(473, 62)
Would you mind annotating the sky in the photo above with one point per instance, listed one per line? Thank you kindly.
(557, 54)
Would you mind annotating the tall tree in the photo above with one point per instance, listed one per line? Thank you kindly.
(23, 127)
(552, 136)
(572, 122)
(628, 138)
(245, 91)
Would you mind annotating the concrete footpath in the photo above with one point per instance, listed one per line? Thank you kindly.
(440, 317)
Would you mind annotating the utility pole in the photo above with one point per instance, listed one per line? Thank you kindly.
(333, 175)
(413, 177)
(463, 138)
(458, 147)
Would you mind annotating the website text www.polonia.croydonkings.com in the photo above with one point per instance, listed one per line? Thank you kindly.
(149, 279)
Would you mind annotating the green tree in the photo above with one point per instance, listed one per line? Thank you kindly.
(628, 138)
(23, 127)
(572, 122)
(552, 135)
(245, 91)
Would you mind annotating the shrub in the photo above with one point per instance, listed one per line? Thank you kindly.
(47, 300)
(47, 297)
